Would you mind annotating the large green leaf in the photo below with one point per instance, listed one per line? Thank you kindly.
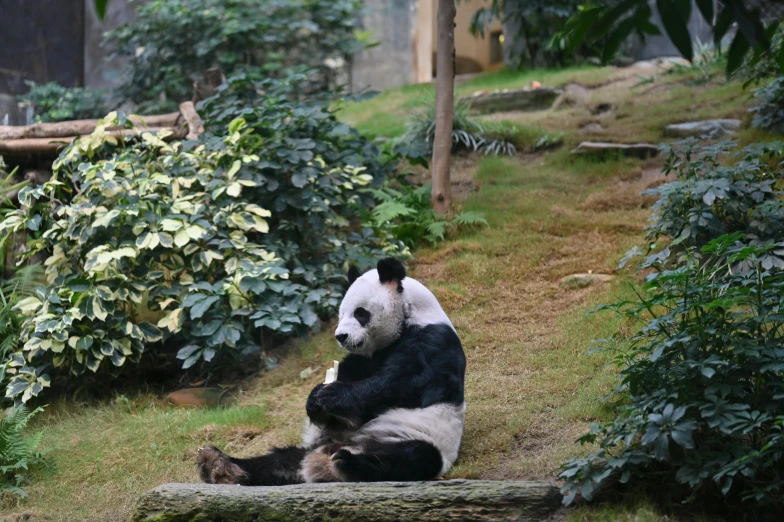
(581, 26)
(617, 36)
(748, 23)
(736, 53)
(610, 17)
(723, 23)
(100, 8)
(684, 8)
(706, 8)
(200, 308)
(676, 27)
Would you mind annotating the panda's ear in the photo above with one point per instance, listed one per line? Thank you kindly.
(353, 274)
(390, 270)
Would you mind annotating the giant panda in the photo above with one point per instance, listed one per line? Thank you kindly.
(397, 409)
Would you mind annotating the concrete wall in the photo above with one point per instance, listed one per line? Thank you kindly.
(99, 71)
(390, 64)
(40, 41)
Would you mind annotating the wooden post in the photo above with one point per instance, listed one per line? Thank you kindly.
(441, 196)
(423, 42)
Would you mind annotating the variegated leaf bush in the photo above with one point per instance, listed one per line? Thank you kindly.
(211, 249)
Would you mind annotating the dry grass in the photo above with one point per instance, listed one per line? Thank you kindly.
(530, 387)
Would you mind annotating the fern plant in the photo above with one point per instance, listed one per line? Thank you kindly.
(407, 213)
(18, 451)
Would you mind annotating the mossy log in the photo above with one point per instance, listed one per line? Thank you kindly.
(49, 138)
(438, 501)
(53, 145)
(69, 129)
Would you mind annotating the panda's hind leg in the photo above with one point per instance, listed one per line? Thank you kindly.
(277, 468)
(403, 461)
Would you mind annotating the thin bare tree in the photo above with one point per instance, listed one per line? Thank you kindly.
(441, 196)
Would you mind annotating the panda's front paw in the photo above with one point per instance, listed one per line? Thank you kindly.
(328, 401)
(314, 407)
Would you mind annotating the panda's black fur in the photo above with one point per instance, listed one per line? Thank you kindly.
(395, 413)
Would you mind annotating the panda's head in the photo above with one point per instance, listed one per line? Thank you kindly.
(373, 313)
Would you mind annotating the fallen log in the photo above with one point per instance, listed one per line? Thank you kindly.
(446, 500)
(53, 145)
(65, 129)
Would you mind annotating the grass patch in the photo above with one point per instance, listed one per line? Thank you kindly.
(386, 114)
(380, 116)
(104, 455)
(588, 75)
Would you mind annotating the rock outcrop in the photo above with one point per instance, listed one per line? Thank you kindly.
(437, 501)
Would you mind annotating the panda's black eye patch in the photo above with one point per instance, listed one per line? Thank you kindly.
(362, 316)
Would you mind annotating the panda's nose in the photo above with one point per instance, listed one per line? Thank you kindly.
(341, 338)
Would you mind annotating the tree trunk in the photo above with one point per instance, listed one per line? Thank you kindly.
(441, 196)
(437, 501)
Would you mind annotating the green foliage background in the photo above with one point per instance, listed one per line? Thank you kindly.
(171, 43)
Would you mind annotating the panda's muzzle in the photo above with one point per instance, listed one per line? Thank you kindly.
(345, 343)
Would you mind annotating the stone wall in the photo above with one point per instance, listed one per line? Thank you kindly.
(99, 71)
(390, 64)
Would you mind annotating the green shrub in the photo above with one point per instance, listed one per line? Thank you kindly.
(769, 108)
(705, 379)
(17, 451)
(171, 43)
(20, 286)
(288, 109)
(216, 248)
(761, 67)
(702, 377)
(53, 102)
(719, 192)
(408, 214)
